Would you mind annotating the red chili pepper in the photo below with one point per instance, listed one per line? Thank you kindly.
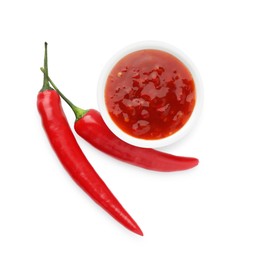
(91, 127)
(71, 156)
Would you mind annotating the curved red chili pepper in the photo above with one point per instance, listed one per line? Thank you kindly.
(91, 127)
(71, 156)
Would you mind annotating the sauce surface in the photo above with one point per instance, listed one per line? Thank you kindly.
(150, 94)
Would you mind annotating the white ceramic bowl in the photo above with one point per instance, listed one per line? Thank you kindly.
(101, 94)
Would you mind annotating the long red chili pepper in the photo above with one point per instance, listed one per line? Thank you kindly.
(71, 156)
(91, 127)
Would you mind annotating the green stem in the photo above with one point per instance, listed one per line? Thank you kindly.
(46, 85)
(79, 112)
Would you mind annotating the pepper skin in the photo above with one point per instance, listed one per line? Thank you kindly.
(71, 156)
(93, 129)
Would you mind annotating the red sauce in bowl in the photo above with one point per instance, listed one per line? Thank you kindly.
(150, 94)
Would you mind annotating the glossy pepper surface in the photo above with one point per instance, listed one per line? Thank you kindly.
(93, 129)
(71, 156)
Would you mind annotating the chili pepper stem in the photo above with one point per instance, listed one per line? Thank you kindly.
(79, 112)
(46, 85)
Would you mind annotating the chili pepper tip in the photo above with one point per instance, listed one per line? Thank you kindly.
(140, 232)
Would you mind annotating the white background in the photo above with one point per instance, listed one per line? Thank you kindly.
(209, 212)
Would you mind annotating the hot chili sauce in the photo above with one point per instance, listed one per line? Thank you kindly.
(150, 94)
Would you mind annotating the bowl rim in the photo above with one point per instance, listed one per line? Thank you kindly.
(157, 45)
